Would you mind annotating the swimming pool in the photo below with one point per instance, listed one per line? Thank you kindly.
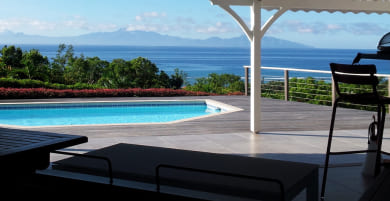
(97, 113)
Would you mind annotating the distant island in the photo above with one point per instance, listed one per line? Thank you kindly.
(141, 38)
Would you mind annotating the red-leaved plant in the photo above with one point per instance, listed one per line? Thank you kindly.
(8, 93)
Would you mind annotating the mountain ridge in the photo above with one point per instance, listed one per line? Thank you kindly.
(142, 38)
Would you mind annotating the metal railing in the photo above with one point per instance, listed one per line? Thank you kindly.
(290, 86)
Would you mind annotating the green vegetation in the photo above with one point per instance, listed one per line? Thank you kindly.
(36, 76)
(28, 74)
(29, 69)
(314, 91)
(219, 84)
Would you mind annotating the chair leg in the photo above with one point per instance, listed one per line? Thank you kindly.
(381, 127)
(325, 175)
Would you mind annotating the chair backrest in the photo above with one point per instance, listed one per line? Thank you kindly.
(354, 74)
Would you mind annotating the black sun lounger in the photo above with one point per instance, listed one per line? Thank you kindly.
(222, 174)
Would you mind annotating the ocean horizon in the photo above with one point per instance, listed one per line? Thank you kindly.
(198, 62)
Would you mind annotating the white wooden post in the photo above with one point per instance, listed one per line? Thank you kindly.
(255, 67)
(255, 33)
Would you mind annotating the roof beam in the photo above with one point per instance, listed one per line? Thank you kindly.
(232, 2)
(354, 6)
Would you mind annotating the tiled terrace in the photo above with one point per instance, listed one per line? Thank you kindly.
(290, 131)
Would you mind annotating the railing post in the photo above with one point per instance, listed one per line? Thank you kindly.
(246, 80)
(388, 86)
(286, 78)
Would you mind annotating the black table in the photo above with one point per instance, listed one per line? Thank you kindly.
(23, 152)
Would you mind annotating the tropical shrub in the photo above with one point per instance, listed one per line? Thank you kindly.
(219, 84)
(28, 83)
(6, 93)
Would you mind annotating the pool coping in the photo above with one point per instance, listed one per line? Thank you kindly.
(225, 109)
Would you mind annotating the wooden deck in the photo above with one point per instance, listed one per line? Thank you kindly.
(290, 131)
(277, 115)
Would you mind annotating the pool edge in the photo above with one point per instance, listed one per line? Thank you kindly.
(225, 109)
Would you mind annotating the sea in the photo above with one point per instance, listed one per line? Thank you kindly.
(199, 62)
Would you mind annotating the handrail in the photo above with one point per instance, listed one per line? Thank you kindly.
(286, 78)
(307, 70)
(216, 173)
(294, 69)
(93, 157)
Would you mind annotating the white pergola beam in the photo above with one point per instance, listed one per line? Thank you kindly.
(271, 20)
(239, 20)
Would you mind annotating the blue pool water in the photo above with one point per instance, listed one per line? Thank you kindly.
(101, 113)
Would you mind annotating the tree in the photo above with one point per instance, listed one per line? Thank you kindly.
(60, 62)
(75, 73)
(177, 79)
(36, 65)
(85, 70)
(4, 69)
(163, 80)
(118, 74)
(65, 68)
(145, 72)
(96, 67)
(220, 84)
(12, 56)
(137, 73)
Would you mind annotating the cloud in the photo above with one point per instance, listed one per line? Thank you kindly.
(365, 28)
(19, 25)
(150, 16)
(302, 27)
(182, 26)
(218, 27)
(42, 25)
(334, 27)
(138, 18)
(185, 21)
(80, 23)
(140, 27)
(360, 28)
(9, 24)
(150, 21)
(75, 24)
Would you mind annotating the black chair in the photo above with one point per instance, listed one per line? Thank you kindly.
(363, 75)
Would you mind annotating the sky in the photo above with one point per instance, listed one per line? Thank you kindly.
(187, 18)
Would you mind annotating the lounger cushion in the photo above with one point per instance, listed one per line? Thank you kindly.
(138, 163)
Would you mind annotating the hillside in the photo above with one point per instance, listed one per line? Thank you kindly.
(141, 38)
